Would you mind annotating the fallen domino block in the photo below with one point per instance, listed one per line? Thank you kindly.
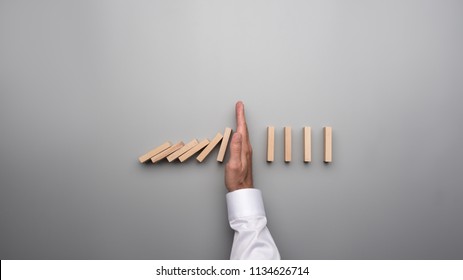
(223, 146)
(270, 143)
(307, 131)
(154, 152)
(167, 152)
(182, 150)
(194, 150)
(210, 147)
(328, 133)
(287, 143)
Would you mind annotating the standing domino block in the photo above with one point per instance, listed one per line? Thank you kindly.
(328, 132)
(210, 147)
(287, 143)
(223, 146)
(270, 143)
(182, 150)
(307, 144)
(167, 152)
(155, 151)
(194, 150)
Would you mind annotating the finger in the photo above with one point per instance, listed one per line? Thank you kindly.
(240, 117)
(241, 126)
(235, 149)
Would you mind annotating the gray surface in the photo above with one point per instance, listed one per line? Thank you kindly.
(88, 86)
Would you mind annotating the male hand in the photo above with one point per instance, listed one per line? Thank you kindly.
(238, 171)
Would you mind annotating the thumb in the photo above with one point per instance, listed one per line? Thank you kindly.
(235, 149)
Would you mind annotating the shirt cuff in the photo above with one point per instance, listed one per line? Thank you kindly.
(245, 203)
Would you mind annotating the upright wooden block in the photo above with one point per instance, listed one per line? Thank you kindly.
(270, 143)
(182, 150)
(224, 145)
(194, 150)
(154, 152)
(328, 132)
(307, 131)
(167, 152)
(210, 147)
(287, 143)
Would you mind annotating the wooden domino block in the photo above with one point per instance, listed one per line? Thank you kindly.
(167, 152)
(328, 132)
(270, 143)
(155, 151)
(223, 146)
(182, 150)
(307, 131)
(210, 147)
(287, 143)
(194, 150)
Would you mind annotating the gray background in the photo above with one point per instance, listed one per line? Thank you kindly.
(88, 86)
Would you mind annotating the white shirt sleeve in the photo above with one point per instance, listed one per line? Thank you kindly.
(246, 214)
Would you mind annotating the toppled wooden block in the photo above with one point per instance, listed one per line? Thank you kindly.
(210, 147)
(328, 132)
(167, 152)
(307, 131)
(194, 150)
(223, 146)
(270, 143)
(182, 150)
(154, 152)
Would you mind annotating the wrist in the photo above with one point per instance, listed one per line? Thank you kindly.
(232, 189)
